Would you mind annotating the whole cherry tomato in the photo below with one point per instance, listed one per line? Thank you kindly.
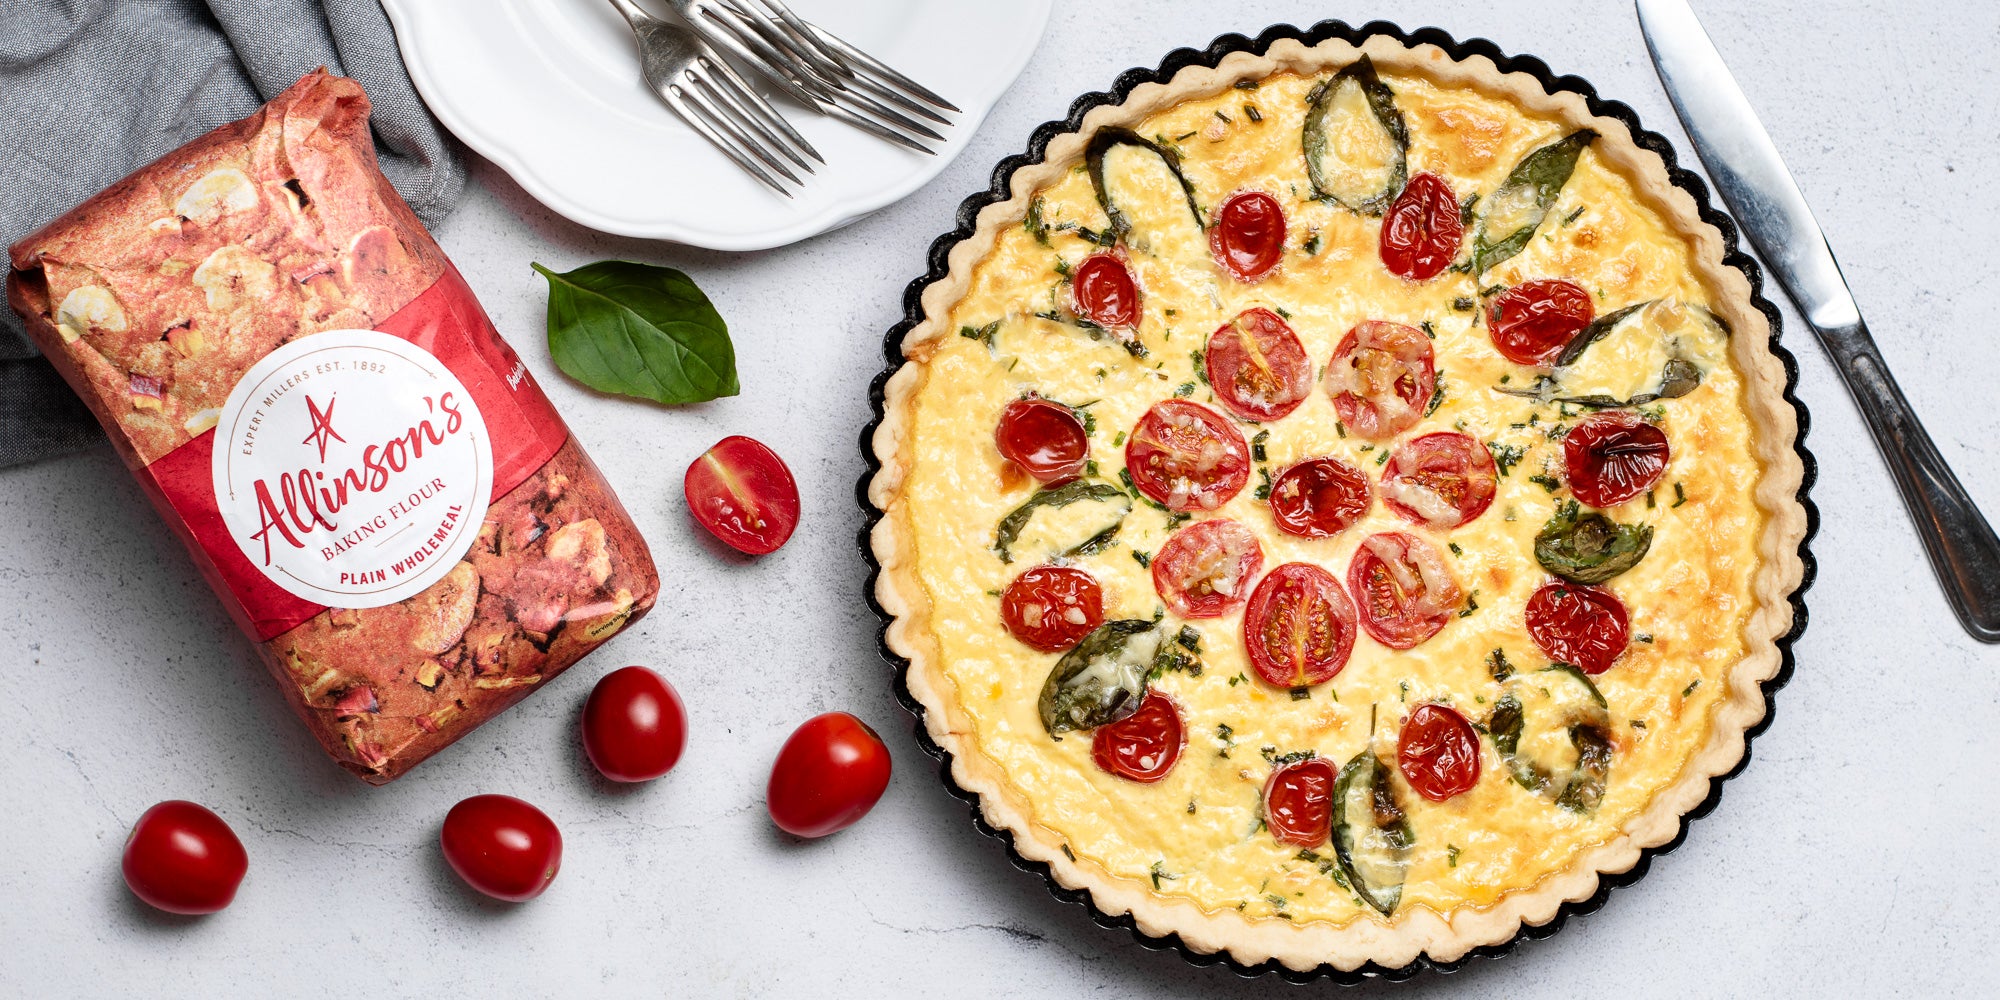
(829, 774)
(1532, 322)
(742, 492)
(1248, 237)
(1443, 480)
(634, 726)
(1319, 498)
(1043, 437)
(1142, 746)
(1298, 802)
(1257, 366)
(1612, 457)
(1381, 378)
(1585, 627)
(502, 846)
(1052, 607)
(1422, 230)
(1405, 592)
(1103, 292)
(1299, 630)
(182, 858)
(1204, 570)
(1438, 752)
(1187, 456)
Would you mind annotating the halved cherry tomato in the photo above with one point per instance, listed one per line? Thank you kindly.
(1443, 480)
(1380, 378)
(1299, 630)
(742, 492)
(1257, 366)
(1298, 802)
(1613, 456)
(1205, 569)
(1585, 627)
(183, 858)
(1248, 236)
(1103, 292)
(1438, 752)
(829, 774)
(1319, 498)
(634, 725)
(1532, 322)
(1142, 746)
(1405, 592)
(1422, 229)
(1187, 457)
(502, 846)
(1043, 437)
(1052, 607)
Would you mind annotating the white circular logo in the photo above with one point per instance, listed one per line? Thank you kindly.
(352, 468)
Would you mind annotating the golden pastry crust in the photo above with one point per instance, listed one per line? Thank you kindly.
(1418, 931)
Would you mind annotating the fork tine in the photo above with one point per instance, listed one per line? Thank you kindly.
(703, 94)
(879, 68)
(870, 126)
(788, 30)
(797, 34)
(752, 49)
(868, 106)
(675, 99)
(751, 108)
(891, 95)
(808, 86)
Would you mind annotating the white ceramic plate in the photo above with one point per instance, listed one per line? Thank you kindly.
(550, 90)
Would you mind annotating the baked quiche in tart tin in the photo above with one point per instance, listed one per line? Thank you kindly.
(1338, 503)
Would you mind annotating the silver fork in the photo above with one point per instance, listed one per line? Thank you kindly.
(700, 87)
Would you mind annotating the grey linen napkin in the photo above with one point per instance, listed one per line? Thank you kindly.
(91, 89)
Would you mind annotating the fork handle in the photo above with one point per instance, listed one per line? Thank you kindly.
(1962, 548)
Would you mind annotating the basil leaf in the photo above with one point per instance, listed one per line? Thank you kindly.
(1371, 832)
(1590, 548)
(1093, 155)
(639, 330)
(1523, 199)
(1103, 679)
(1596, 331)
(1068, 493)
(1356, 102)
(1588, 724)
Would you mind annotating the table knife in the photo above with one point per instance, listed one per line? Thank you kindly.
(1766, 202)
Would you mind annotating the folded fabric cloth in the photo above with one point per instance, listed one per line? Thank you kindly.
(92, 89)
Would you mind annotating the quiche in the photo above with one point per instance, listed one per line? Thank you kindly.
(1339, 506)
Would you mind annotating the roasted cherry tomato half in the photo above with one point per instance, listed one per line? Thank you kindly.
(1248, 235)
(1142, 746)
(634, 725)
(1422, 230)
(1443, 480)
(1404, 590)
(1187, 456)
(1613, 456)
(1205, 569)
(502, 846)
(1585, 627)
(1299, 630)
(181, 858)
(1103, 292)
(1257, 366)
(1438, 752)
(742, 492)
(829, 774)
(1298, 802)
(1319, 498)
(1381, 378)
(1052, 607)
(1043, 437)
(1532, 322)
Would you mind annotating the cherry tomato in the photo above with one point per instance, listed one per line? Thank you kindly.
(1205, 569)
(1405, 592)
(502, 846)
(1187, 456)
(1052, 607)
(1103, 292)
(1299, 630)
(1438, 752)
(1142, 746)
(1248, 236)
(1257, 366)
(182, 858)
(1043, 437)
(1319, 498)
(1585, 627)
(1298, 802)
(1613, 456)
(1381, 377)
(829, 774)
(634, 726)
(741, 491)
(1443, 480)
(1532, 322)
(1422, 229)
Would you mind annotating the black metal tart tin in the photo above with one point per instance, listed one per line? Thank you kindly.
(1175, 61)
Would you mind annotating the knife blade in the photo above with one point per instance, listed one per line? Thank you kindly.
(1752, 179)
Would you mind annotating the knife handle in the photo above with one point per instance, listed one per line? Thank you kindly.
(1961, 544)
